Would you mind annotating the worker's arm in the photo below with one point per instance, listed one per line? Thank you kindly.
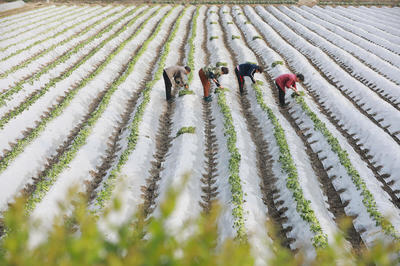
(216, 82)
(213, 78)
(294, 88)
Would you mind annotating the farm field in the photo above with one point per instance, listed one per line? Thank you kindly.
(82, 103)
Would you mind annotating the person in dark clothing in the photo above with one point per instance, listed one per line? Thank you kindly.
(213, 73)
(175, 76)
(287, 81)
(246, 69)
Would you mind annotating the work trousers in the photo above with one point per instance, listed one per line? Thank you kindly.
(240, 80)
(281, 94)
(168, 85)
(205, 82)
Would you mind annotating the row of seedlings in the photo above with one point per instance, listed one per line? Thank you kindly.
(26, 92)
(62, 92)
(78, 172)
(255, 126)
(65, 123)
(313, 80)
(372, 23)
(187, 152)
(301, 211)
(376, 57)
(230, 164)
(366, 101)
(261, 191)
(30, 29)
(130, 158)
(41, 42)
(35, 13)
(349, 25)
(171, 157)
(161, 130)
(210, 176)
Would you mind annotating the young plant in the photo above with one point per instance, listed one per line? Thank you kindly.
(185, 92)
(184, 130)
(219, 64)
(274, 64)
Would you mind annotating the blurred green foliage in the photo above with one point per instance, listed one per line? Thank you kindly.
(77, 240)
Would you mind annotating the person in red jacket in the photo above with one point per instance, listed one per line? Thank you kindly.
(287, 81)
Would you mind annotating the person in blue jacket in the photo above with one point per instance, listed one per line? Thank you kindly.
(246, 69)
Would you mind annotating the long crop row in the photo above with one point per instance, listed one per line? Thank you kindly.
(105, 192)
(230, 133)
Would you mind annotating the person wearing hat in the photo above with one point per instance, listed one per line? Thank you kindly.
(287, 81)
(213, 73)
(246, 69)
(175, 76)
